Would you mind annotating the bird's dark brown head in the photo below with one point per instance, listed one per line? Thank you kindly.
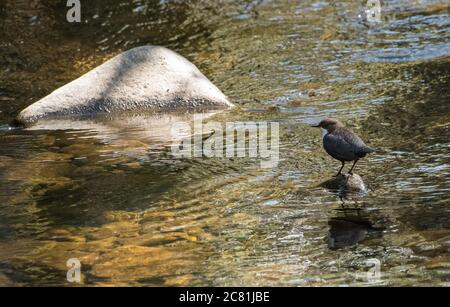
(329, 124)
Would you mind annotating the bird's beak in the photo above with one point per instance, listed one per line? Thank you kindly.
(315, 126)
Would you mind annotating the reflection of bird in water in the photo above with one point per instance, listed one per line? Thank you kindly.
(350, 230)
(343, 144)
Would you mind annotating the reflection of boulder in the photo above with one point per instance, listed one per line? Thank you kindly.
(148, 78)
(156, 128)
(349, 231)
(99, 147)
(346, 185)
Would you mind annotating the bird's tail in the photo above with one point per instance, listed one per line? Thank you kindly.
(368, 149)
(362, 152)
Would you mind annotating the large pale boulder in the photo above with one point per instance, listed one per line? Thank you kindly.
(143, 79)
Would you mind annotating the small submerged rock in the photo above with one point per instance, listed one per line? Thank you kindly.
(353, 184)
(346, 185)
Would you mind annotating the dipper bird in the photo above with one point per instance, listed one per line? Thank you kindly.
(342, 144)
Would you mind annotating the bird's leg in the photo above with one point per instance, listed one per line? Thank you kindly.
(343, 202)
(351, 170)
(343, 164)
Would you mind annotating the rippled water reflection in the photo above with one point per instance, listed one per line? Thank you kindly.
(111, 194)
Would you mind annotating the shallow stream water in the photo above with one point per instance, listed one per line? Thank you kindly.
(111, 194)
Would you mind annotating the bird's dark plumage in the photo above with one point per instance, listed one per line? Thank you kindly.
(343, 144)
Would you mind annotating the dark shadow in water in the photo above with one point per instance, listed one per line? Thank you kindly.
(351, 228)
(29, 272)
(413, 129)
(20, 272)
(418, 111)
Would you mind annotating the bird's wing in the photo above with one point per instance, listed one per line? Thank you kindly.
(351, 138)
(338, 147)
(359, 147)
